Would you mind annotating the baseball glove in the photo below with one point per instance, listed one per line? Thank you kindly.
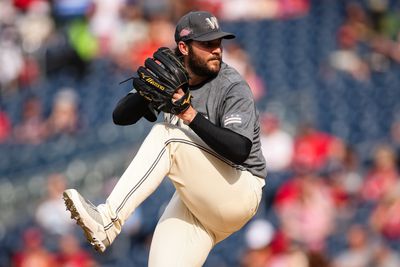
(159, 78)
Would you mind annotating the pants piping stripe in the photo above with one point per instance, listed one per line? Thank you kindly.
(154, 164)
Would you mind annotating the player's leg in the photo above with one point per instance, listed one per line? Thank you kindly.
(216, 192)
(103, 223)
(179, 240)
(220, 195)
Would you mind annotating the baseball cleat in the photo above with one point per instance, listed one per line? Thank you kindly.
(88, 217)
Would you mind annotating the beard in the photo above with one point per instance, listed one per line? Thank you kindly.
(199, 65)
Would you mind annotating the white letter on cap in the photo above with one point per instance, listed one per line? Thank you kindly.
(213, 22)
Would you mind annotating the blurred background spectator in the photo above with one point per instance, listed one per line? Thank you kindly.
(5, 126)
(72, 254)
(235, 56)
(64, 118)
(33, 251)
(158, 34)
(359, 249)
(346, 58)
(277, 144)
(267, 247)
(385, 218)
(11, 58)
(305, 208)
(384, 256)
(50, 213)
(311, 148)
(258, 237)
(32, 127)
(325, 76)
(394, 139)
(382, 176)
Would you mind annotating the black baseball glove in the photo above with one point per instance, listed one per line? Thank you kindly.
(159, 78)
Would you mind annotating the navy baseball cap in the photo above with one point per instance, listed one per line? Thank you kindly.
(199, 26)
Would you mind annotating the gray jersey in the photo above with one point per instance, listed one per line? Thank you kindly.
(227, 101)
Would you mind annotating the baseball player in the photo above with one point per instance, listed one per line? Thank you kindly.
(208, 146)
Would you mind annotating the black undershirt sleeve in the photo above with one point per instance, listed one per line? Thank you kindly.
(225, 142)
(130, 109)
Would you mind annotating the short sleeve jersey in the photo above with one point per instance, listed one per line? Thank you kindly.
(227, 101)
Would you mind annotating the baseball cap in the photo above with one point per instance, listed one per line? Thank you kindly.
(199, 26)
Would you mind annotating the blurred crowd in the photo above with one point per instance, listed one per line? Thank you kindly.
(41, 38)
(324, 204)
(50, 240)
(33, 128)
(330, 207)
(368, 40)
(49, 237)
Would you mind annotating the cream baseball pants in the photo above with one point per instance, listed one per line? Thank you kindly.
(213, 198)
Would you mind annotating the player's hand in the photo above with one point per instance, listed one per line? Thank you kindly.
(188, 115)
(178, 94)
(159, 79)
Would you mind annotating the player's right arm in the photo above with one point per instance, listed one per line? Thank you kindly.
(130, 109)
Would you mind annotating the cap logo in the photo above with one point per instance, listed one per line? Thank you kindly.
(212, 22)
(185, 32)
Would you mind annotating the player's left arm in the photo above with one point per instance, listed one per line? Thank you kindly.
(239, 112)
(229, 144)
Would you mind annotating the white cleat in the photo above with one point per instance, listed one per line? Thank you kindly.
(88, 217)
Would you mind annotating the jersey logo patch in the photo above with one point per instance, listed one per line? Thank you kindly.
(232, 119)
